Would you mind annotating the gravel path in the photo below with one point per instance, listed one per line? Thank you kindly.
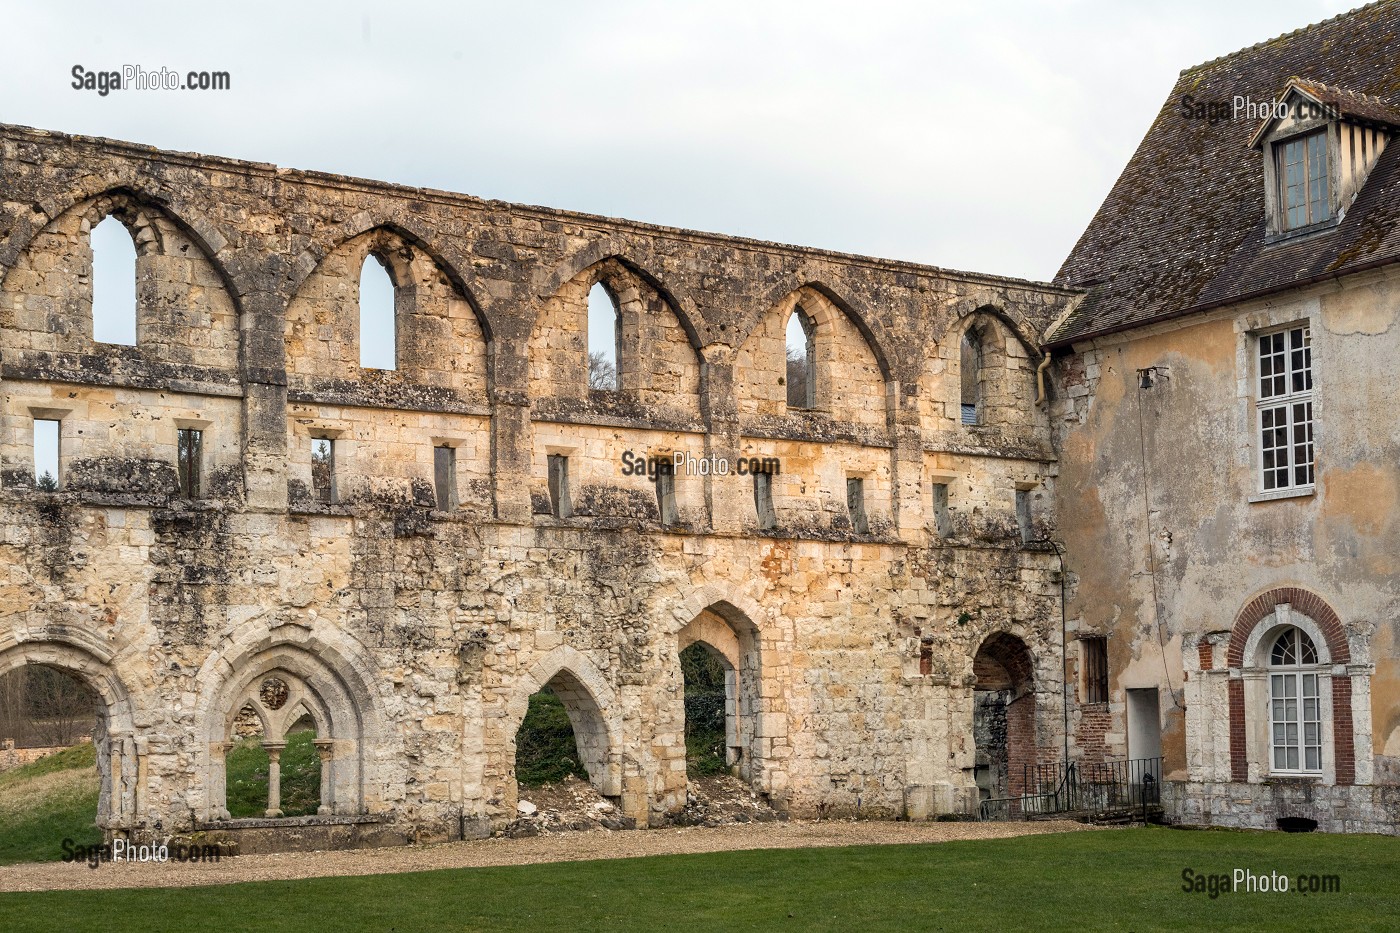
(563, 847)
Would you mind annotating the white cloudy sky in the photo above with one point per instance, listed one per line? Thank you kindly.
(972, 135)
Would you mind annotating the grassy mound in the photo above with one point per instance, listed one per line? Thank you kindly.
(47, 801)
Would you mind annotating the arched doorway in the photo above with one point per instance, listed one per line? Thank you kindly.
(1003, 717)
(547, 749)
(76, 694)
(730, 643)
(566, 681)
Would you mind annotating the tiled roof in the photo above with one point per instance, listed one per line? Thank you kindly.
(1365, 107)
(1183, 227)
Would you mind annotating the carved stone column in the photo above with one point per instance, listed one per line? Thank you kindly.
(326, 749)
(274, 779)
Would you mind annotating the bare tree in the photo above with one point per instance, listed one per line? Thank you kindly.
(61, 707)
(799, 386)
(14, 705)
(602, 373)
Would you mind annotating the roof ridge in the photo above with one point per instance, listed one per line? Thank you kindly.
(1372, 98)
(1286, 35)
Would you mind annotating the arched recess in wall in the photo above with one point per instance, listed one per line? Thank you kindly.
(730, 637)
(846, 376)
(184, 310)
(283, 683)
(439, 336)
(657, 350)
(114, 735)
(983, 374)
(1003, 717)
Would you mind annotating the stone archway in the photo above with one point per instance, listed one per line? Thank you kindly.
(735, 644)
(119, 801)
(1004, 716)
(596, 717)
(322, 683)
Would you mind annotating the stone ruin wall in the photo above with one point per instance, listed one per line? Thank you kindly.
(413, 637)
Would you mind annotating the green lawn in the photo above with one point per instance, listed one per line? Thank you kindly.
(47, 801)
(1121, 880)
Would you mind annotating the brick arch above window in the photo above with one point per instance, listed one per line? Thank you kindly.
(1260, 610)
(1303, 602)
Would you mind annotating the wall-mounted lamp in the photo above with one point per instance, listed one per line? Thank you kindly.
(1150, 373)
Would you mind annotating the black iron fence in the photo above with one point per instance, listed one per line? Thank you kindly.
(1095, 789)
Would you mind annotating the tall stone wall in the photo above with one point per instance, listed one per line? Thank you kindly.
(413, 637)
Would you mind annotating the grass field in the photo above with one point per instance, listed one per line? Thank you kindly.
(55, 798)
(46, 801)
(1123, 880)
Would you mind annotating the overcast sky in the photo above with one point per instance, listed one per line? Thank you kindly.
(970, 135)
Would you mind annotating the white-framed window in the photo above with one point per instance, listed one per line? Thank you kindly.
(1285, 409)
(1295, 705)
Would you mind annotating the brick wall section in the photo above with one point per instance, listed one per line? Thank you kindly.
(1343, 742)
(1312, 606)
(1239, 763)
(1020, 742)
(1206, 652)
(1095, 722)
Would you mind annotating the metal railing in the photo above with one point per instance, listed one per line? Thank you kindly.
(1095, 788)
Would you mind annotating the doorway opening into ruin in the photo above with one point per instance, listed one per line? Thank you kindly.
(564, 734)
(720, 671)
(55, 751)
(710, 713)
(1003, 716)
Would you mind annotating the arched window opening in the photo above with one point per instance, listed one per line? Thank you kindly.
(603, 347)
(248, 765)
(710, 711)
(801, 361)
(1295, 704)
(378, 335)
(277, 773)
(47, 711)
(970, 370)
(113, 283)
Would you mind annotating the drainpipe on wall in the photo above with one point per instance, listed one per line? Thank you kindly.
(1040, 397)
(1064, 634)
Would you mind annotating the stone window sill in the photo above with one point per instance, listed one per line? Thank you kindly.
(1301, 492)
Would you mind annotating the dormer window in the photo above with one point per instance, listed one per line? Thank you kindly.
(1319, 143)
(1303, 174)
